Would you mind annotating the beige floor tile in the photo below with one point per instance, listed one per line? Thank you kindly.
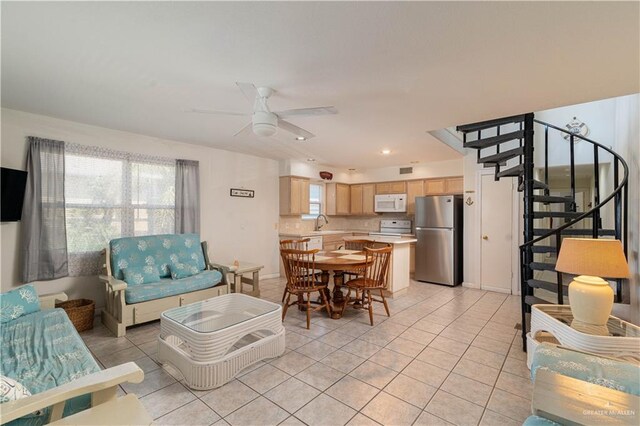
(448, 345)
(373, 374)
(320, 376)
(152, 382)
(458, 335)
(147, 364)
(295, 340)
(361, 348)
(325, 411)
(316, 350)
(354, 329)
(429, 326)
(293, 362)
(336, 339)
(517, 367)
(138, 336)
(120, 357)
(113, 345)
(485, 357)
(410, 390)
(342, 361)
(491, 345)
(388, 410)
(390, 359)
(509, 405)
(378, 337)
(476, 371)
(467, 388)
(453, 409)
(515, 384)
(313, 332)
(516, 350)
(194, 413)
(259, 410)
(438, 358)
(353, 392)
(491, 418)
(418, 336)
(405, 347)
(264, 378)
(292, 394)
(166, 400)
(426, 373)
(228, 398)
(292, 421)
(362, 420)
(428, 419)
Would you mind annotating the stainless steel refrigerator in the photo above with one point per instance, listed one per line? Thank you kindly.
(439, 232)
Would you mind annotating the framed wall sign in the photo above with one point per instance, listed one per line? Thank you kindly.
(245, 193)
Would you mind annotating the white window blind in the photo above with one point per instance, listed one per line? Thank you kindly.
(315, 201)
(111, 194)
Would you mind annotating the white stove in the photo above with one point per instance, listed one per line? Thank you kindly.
(396, 228)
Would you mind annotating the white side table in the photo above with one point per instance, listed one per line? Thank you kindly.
(618, 338)
(239, 271)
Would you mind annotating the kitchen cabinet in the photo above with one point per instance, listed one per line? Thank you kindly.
(454, 185)
(294, 196)
(391, 187)
(434, 187)
(356, 199)
(338, 199)
(368, 198)
(333, 242)
(415, 188)
(412, 258)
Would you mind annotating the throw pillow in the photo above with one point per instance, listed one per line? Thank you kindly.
(18, 302)
(11, 390)
(134, 275)
(184, 270)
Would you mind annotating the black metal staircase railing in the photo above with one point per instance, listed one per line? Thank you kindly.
(541, 240)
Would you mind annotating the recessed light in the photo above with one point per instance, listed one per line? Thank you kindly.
(414, 162)
(311, 159)
(385, 152)
(352, 170)
(301, 138)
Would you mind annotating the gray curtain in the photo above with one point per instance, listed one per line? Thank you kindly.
(44, 237)
(187, 196)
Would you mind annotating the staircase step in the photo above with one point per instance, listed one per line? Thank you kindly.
(494, 140)
(540, 215)
(540, 266)
(513, 171)
(536, 185)
(544, 249)
(587, 232)
(547, 285)
(532, 300)
(502, 156)
(550, 199)
(474, 127)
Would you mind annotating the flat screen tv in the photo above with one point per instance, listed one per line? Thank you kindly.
(13, 183)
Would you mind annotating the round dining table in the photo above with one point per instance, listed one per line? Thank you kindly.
(338, 262)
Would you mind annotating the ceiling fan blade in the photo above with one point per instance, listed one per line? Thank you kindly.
(292, 128)
(327, 110)
(248, 90)
(246, 129)
(209, 111)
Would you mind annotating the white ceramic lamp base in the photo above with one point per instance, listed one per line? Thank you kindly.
(591, 299)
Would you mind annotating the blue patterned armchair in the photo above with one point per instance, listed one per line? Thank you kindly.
(145, 276)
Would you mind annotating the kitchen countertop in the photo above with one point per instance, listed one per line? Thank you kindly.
(384, 239)
(304, 234)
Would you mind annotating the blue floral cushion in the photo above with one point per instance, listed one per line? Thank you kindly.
(168, 287)
(18, 302)
(183, 270)
(539, 421)
(135, 275)
(159, 250)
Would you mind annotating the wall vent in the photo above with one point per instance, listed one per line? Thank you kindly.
(406, 170)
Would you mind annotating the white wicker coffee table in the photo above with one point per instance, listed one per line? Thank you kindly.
(209, 342)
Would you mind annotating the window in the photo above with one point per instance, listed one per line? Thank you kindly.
(315, 201)
(112, 194)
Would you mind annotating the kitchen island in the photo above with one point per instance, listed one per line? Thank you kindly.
(399, 277)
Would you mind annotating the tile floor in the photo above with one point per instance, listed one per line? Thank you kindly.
(446, 356)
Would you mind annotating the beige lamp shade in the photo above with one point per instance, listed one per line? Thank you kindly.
(595, 257)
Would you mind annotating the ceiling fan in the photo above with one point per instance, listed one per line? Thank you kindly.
(265, 122)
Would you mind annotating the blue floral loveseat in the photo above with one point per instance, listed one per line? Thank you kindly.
(145, 276)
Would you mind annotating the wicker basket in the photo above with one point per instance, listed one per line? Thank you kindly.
(80, 312)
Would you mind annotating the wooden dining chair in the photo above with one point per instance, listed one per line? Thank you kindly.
(373, 279)
(359, 245)
(302, 244)
(301, 282)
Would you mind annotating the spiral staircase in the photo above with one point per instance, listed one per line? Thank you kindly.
(550, 214)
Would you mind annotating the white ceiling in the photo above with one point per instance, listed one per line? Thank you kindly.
(393, 70)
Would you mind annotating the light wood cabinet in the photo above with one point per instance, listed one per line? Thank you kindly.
(412, 258)
(356, 199)
(368, 198)
(338, 199)
(415, 188)
(434, 187)
(454, 185)
(294, 196)
(391, 187)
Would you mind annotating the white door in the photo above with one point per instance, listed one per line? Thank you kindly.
(496, 234)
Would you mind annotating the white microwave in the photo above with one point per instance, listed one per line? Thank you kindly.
(393, 203)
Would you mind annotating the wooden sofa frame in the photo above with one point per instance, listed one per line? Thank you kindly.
(117, 315)
(102, 385)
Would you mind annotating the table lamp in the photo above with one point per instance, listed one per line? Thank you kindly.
(590, 296)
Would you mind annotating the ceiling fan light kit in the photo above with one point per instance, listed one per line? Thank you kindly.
(264, 123)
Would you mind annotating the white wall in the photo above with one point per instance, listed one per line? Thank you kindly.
(236, 228)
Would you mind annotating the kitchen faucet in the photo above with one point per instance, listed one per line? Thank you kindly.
(318, 226)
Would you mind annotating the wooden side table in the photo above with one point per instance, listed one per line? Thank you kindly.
(239, 271)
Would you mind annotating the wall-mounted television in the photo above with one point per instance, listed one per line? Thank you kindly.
(13, 183)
